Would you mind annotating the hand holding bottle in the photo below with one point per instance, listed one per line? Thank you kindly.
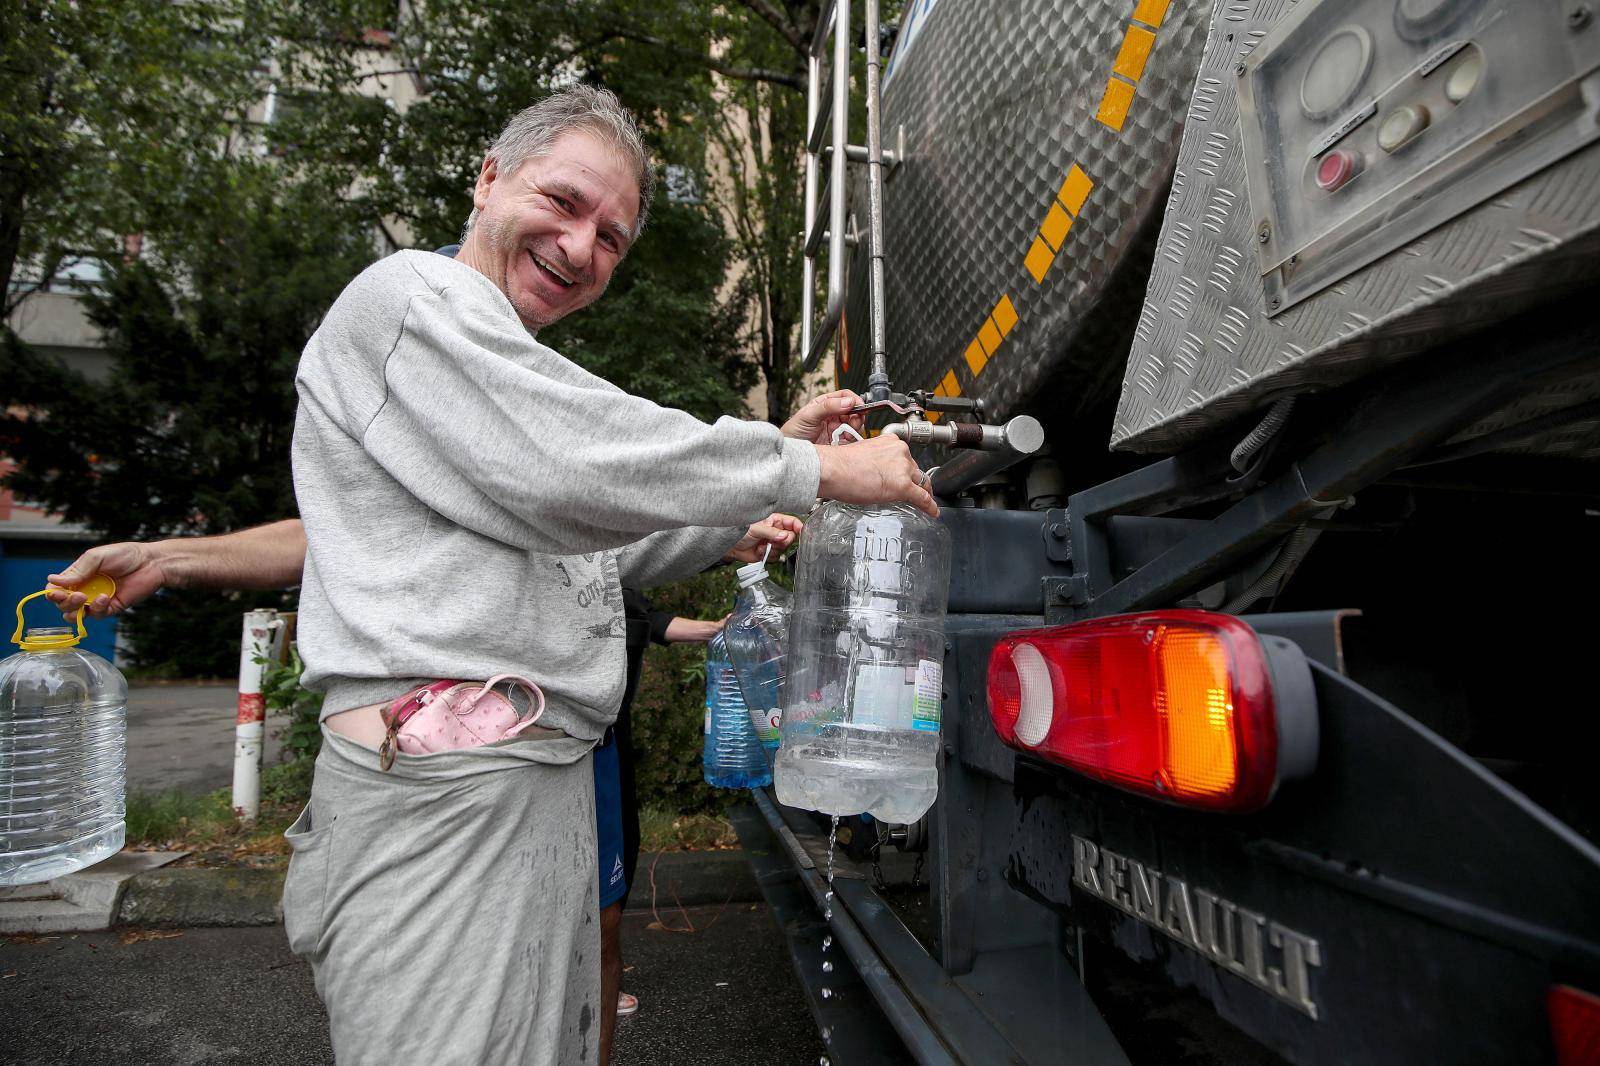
(876, 470)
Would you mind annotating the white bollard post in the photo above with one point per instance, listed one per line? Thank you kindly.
(251, 725)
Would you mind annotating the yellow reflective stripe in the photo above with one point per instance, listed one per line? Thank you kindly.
(976, 357)
(1004, 315)
(1136, 46)
(1056, 225)
(1075, 190)
(1038, 259)
(1151, 12)
(989, 336)
(1115, 103)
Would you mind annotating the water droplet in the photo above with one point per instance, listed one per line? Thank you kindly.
(827, 1034)
(825, 1061)
(828, 913)
(827, 967)
(827, 942)
(828, 895)
(827, 993)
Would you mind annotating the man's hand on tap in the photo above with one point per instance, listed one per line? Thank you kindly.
(817, 420)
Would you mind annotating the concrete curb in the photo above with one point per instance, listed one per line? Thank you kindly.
(79, 902)
(194, 897)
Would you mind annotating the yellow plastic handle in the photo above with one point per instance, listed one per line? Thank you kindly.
(97, 586)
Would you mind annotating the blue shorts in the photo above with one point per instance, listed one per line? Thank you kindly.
(608, 821)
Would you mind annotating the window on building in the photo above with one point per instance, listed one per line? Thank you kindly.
(683, 185)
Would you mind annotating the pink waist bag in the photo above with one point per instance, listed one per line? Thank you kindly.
(446, 715)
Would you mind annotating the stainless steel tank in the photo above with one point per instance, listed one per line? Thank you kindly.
(1038, 139)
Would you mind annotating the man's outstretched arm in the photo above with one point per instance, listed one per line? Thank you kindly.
(263, 557)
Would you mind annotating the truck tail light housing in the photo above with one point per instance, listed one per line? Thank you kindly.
(1574, 1025)
(1189, 707)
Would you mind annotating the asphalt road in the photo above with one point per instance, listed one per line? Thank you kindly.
(181, 737)
(722, 993)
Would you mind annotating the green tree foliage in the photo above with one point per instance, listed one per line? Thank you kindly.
(189, 434)
(108, 111)
(281, 691)
(719, 88)
(662, 331)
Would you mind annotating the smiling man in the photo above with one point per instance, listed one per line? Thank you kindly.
(549, 227)
(473, 503)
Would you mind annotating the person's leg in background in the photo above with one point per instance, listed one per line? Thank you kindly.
(626, 1004)
(613, 885)
(637, 610)
(627, 770)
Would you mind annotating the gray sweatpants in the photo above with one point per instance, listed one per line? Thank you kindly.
(448, 906)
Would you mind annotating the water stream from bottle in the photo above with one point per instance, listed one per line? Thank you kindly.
(827, 914)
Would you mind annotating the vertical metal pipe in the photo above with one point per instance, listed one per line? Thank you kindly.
(878, 381)
(808, 284)
(249, 730)
(841, 139)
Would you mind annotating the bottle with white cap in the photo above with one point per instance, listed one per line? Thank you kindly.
(758, 645)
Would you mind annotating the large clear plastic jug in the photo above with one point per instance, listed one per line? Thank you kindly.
(866, 663)
(63, 742)
(733, 755)
(757, 634)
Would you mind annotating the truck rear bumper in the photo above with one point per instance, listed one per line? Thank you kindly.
(917, 1011)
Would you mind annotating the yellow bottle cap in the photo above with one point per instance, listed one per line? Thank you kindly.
(97, 586)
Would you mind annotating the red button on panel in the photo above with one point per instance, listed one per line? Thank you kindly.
(1336, 168)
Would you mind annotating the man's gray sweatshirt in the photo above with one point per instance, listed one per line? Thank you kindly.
(474, 502)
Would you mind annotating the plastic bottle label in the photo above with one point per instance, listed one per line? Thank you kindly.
(883, 696)
(766, 721)
(925, 705)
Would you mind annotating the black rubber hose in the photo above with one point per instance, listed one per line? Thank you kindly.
(1257, 438)
(1294, 549)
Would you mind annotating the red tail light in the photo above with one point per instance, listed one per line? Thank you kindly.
(1574, 1025)
(1178, 705)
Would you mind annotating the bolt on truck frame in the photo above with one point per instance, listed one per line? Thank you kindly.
(1270, 744)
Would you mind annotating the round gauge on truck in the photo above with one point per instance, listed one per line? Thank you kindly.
(1336, 72)
(1418, 20)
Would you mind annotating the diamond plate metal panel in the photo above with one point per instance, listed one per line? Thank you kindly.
(1205, 353)
(998, 100)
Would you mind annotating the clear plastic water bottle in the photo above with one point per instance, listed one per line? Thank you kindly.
(757, 634)
(63, 745)
(866, 663)
(733, 756)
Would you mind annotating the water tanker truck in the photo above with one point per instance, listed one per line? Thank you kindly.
(1266, 728)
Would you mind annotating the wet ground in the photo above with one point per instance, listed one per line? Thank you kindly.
(723, 992)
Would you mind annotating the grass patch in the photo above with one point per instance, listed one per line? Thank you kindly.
(205, 826)
(664, 830)
(156, 817)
